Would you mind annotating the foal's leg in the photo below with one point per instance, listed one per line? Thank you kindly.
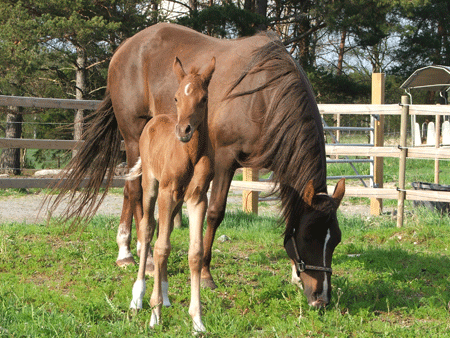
(197, 210)
(132, 206)
(166, 206)
(146, 230)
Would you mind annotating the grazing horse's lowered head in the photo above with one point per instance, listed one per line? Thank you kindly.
(191, 104)
(311, 245)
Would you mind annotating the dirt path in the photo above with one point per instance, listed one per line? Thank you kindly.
(25, 209)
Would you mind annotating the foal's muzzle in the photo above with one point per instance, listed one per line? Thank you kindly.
(184, 133)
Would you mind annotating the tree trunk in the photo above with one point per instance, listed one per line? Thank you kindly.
(249, 5)
(193, 5)
(10, 158)
(80, 93)
(155, 11)
(261, 9)
(341, 52)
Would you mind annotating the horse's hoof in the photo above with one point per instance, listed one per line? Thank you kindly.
(125, 262)
(208, 283)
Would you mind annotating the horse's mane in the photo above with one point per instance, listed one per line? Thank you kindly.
(292, 142)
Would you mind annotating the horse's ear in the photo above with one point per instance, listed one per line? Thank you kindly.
(178, 69)
(207, 74)
(309, 193)
(339, 191)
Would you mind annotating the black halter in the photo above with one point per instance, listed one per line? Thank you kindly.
(290, 246)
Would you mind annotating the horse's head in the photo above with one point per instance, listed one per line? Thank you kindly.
(311, 245)
(191, 98)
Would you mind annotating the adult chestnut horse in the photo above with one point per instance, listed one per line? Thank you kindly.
(261, 113)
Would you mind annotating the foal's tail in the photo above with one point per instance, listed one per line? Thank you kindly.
(95, 158)
(135, 172)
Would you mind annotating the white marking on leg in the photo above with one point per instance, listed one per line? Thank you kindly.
(187, 92)
(138, 294)
(138, 248)
(154, 319)
(122, 240)
(165, 293)
(198, 325)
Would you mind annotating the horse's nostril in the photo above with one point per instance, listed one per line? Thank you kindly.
(188, 129)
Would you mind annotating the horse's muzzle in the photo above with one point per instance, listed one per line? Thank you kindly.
(184, 133)
(319, 300)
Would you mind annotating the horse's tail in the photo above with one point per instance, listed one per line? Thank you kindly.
(96, 157)
(135, 172)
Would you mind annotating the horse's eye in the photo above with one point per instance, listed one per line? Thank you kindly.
(175, 99)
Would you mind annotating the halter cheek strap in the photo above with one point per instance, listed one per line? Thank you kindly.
(299, 263)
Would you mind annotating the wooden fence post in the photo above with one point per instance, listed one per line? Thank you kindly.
(378, 83)
(402, 164)
(437, 145)
(250, 198)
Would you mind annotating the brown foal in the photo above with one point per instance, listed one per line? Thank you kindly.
(176, 164)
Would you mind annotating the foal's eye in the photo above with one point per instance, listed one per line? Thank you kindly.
(175, 99)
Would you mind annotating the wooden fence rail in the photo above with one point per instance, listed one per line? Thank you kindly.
(368, 109)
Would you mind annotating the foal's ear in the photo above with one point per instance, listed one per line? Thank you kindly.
(339, 191)
(178, 69)
(309, 193)
(207, 74)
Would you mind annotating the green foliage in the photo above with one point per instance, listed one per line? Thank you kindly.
(424, 36)
(387, 281)
(332, 88)
(226, 20)
(39, 44)
(367, 21)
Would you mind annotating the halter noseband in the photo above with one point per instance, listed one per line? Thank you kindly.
(300, 264)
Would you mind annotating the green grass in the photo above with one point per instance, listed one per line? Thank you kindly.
(388, 282)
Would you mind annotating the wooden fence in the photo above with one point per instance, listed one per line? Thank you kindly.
(251, 185)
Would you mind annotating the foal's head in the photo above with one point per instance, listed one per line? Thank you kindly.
(191, 98)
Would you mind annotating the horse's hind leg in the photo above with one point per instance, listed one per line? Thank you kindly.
(166, 206)
(197, 211)
(123, 238)
(146, 230)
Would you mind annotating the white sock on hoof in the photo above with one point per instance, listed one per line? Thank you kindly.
(154, 320)
(138, 294)
(165, 293)
(198, 325)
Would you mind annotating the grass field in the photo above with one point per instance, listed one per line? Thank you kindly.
(388, 282)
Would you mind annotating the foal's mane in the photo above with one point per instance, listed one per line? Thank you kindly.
(194, 70)
(292, 142)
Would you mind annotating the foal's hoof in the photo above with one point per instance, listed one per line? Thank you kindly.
(125, 262)
(208, 283)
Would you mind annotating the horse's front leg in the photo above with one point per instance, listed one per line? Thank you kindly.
(216, 213)
(166, 206)
(197, 210)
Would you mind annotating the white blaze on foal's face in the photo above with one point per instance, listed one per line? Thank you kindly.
(188, 89)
